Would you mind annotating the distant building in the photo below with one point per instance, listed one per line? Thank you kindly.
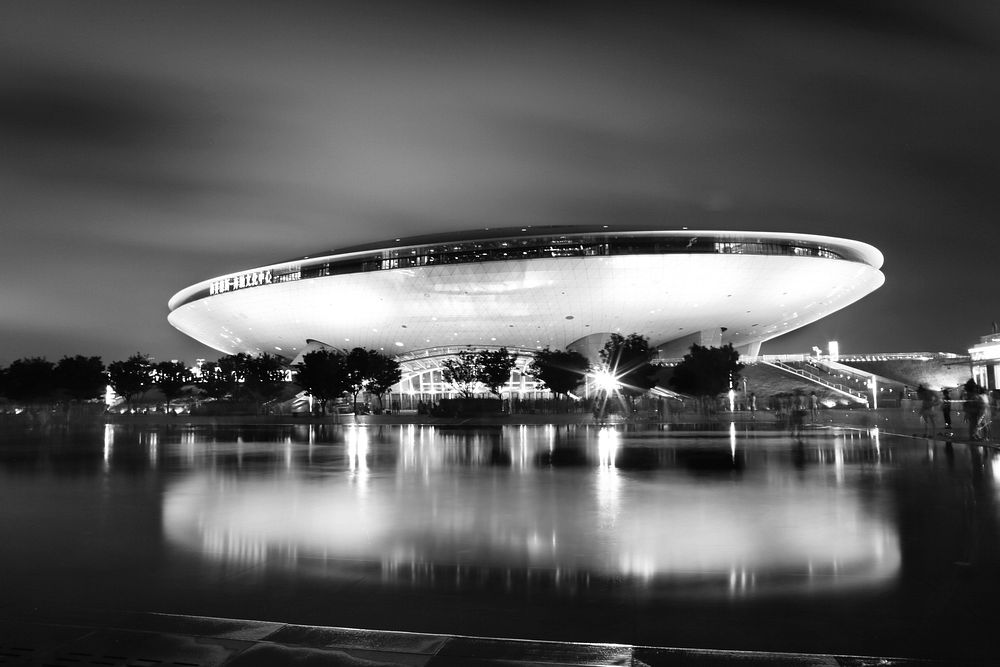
(986, 360)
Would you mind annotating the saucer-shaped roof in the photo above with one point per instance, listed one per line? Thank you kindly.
(532, 287)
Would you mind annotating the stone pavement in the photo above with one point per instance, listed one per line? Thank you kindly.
(149, 640)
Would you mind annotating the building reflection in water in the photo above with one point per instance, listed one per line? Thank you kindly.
(109, 445)
(719, 512)
(357, 453)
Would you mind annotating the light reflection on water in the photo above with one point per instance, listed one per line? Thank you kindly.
(722, 511)
(727, 538)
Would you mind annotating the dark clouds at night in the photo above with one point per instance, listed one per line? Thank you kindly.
(144, 147)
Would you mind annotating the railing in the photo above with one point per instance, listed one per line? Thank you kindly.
(834, 386)
(897, 356)
(673, 361)
(835, 367)
(868, 356)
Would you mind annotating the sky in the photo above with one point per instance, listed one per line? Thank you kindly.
(147, 146)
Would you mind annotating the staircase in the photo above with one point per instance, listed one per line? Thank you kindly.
(850, 392)
(834, 368)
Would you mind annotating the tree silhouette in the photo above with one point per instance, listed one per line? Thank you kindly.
(131, 377)
(170, 377)
(217, 379)
(561, 371)
(462, 372)
(263, 376)
(707, 371)
(627, 358)
(81, 378)
(494, 367)
(323, 375)
(360, 364)
(382, 375)
(30, 380)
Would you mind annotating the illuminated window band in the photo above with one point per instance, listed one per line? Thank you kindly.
(372, 257)
(249, 279)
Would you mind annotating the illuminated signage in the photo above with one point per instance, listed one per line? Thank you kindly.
(248, 279)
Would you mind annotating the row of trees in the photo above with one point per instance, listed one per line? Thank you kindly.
(79, 378)
(242, 376)
(35, 379)
(625, 362)
(331, 374)
(491, 368)
(326, 374)
(561, 371)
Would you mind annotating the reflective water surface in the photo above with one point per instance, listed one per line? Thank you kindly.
(845, 541)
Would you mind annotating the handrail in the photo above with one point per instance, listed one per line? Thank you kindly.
(817, 379)
(832, 367)
(833, 385)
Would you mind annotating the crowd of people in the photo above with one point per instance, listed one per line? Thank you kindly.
(977, 406)
(971, 403)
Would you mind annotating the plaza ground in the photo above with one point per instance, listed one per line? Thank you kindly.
(46, 635)
(133, 639)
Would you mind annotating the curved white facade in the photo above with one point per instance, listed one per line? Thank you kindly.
(478, 289)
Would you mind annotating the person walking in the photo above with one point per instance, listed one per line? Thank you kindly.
(984, 426)
(972, 407)
(798, 413)
(926, 398)
(946, 407)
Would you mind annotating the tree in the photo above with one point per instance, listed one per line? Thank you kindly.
(29, 380)
(81, 378)
(131, 377)
(383, 374)
(359, 366)
(494, 368)
(462, 372)
(707, 371)
(263, 375)
(323, 375)
(627, 358)
(217, 379)
(559, 370)
(233, 368)
(170, 377)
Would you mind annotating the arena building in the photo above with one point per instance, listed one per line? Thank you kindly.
(422, 298)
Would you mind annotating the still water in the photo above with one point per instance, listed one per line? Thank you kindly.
(846, 541)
